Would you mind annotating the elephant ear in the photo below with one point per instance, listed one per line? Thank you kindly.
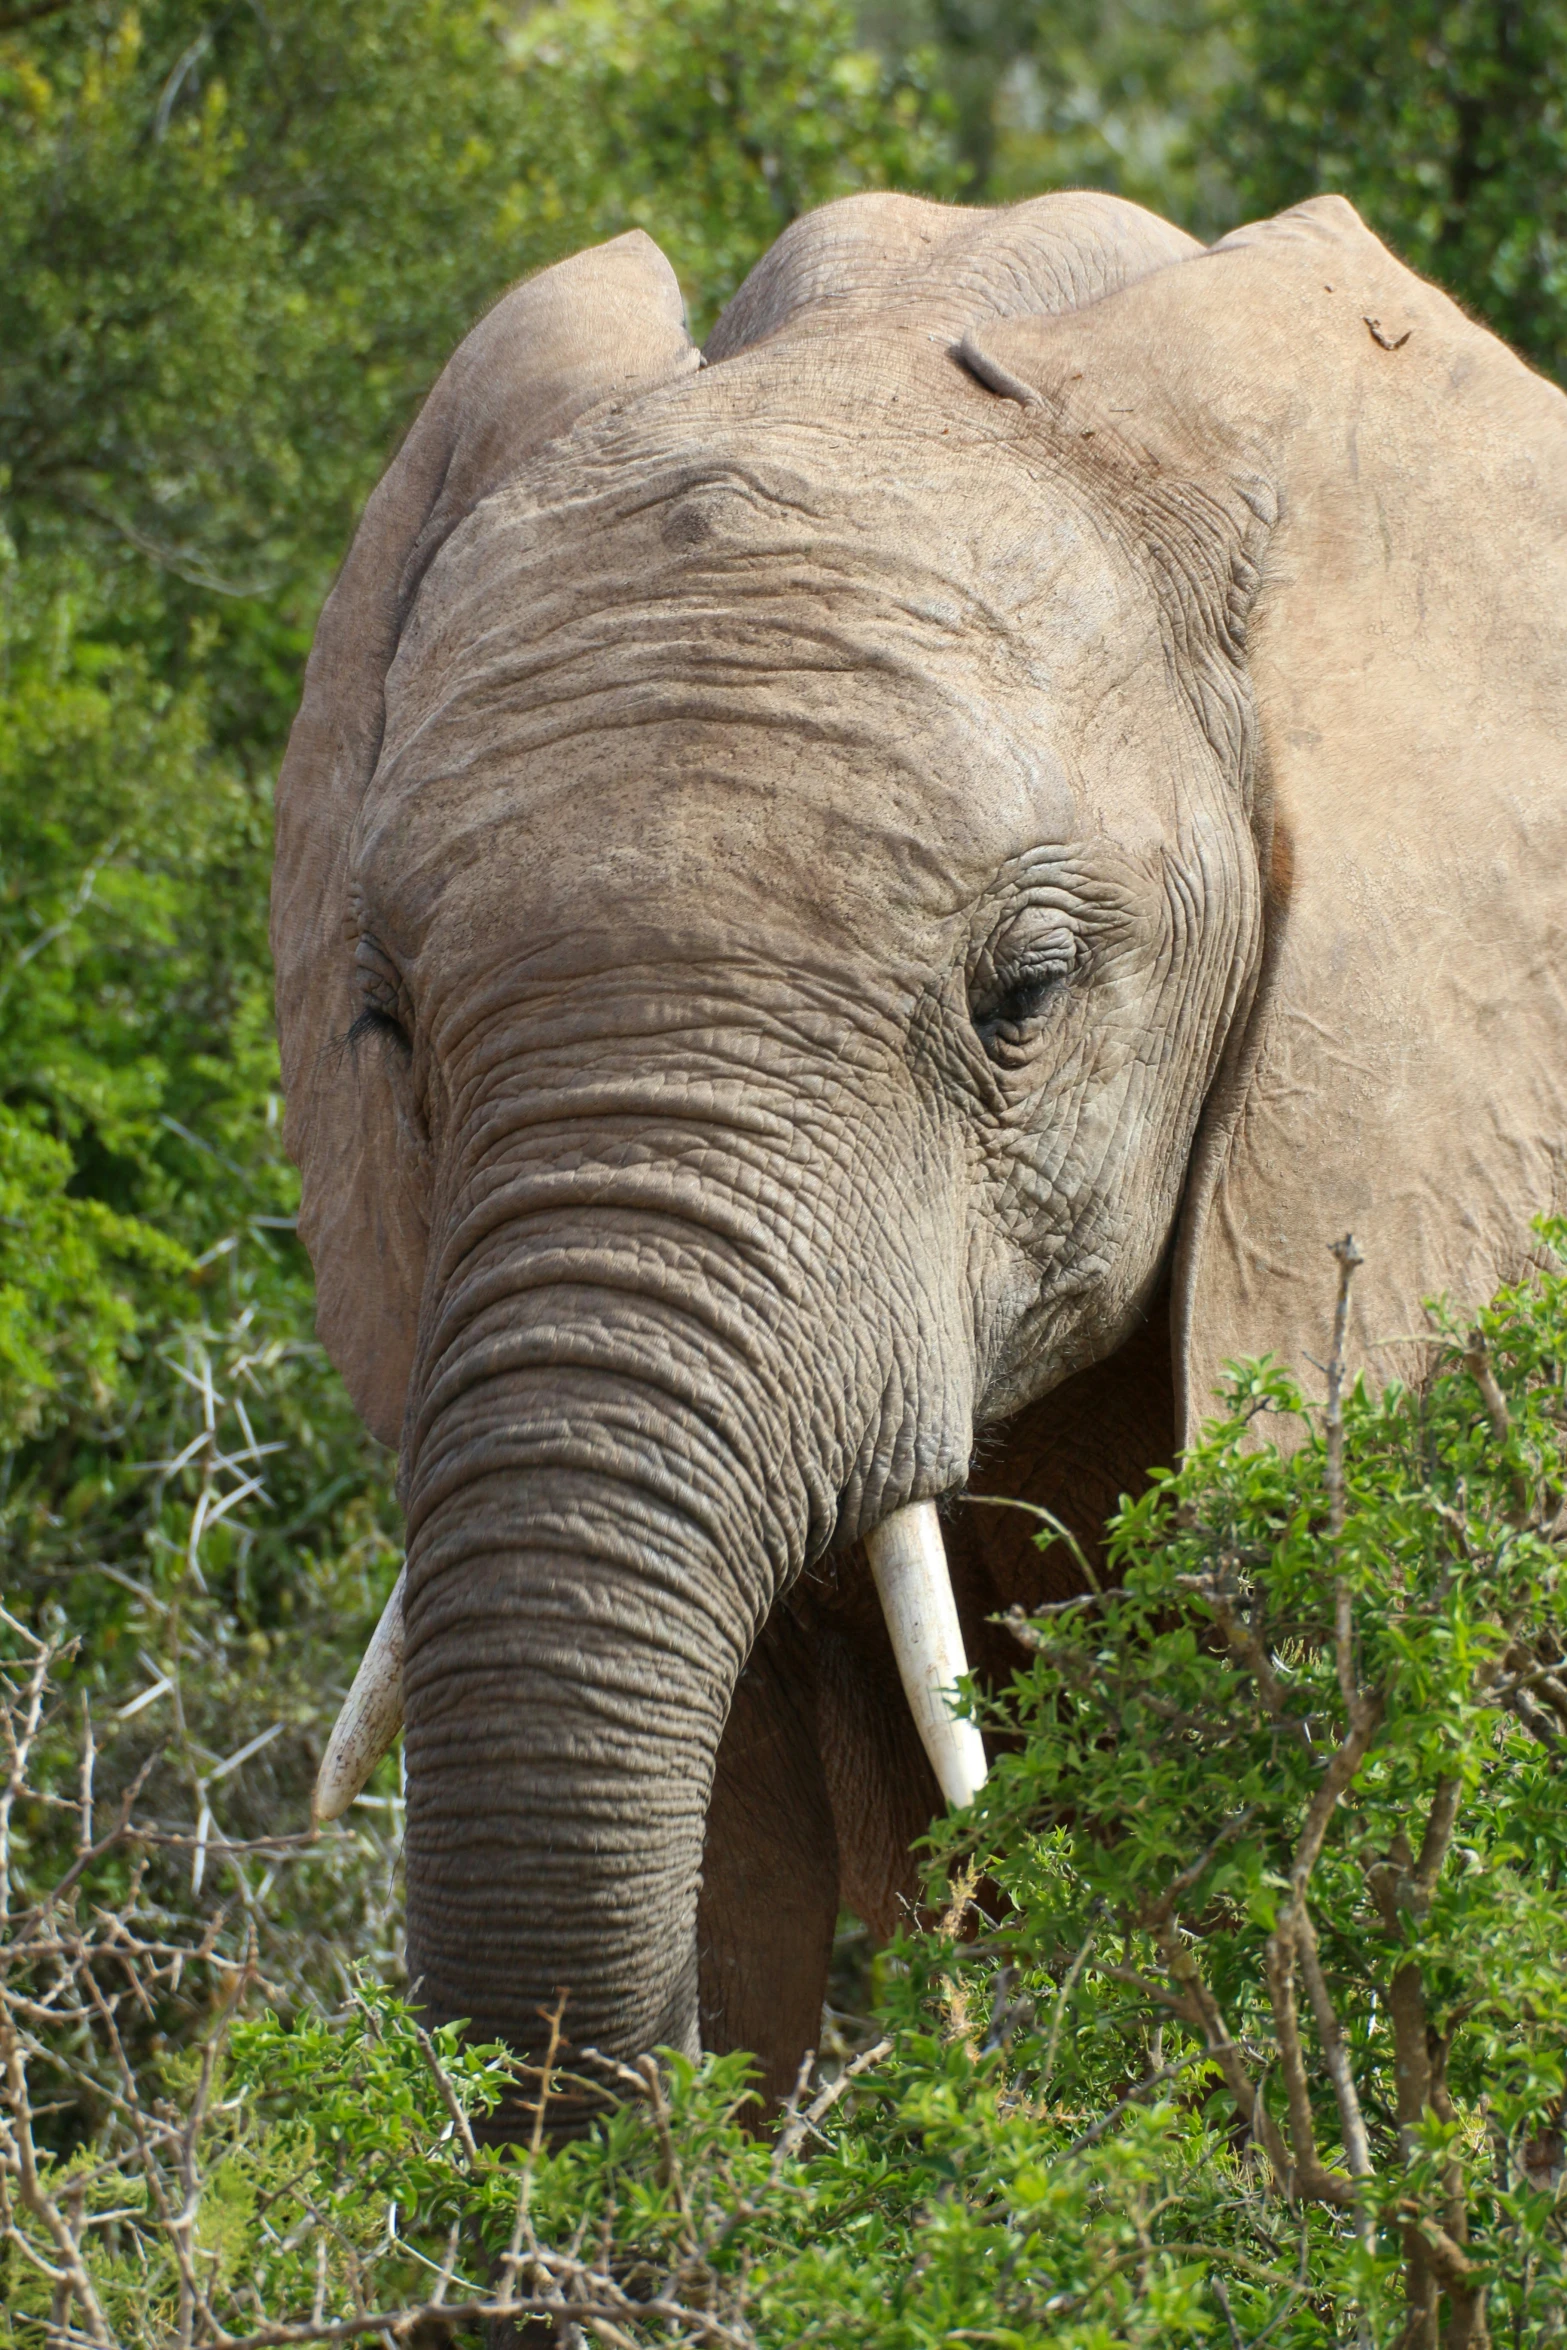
(607, 322)
(1394, 485)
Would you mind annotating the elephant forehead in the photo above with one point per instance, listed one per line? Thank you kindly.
(821, 670)
(863, 532)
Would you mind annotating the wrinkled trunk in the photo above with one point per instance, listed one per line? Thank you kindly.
(593, 1546)
(669, 1343)
(661, 1348)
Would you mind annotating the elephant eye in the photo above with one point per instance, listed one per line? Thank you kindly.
(1010, 994)
(383, 1004)
(1026, 998)
(372, 1021)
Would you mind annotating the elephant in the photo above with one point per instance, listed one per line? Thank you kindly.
(853, 911)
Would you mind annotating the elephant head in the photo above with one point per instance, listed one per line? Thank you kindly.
(859, 905)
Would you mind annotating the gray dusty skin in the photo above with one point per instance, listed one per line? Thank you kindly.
(851, 921)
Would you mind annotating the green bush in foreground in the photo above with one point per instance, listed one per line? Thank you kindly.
(1245, 2021)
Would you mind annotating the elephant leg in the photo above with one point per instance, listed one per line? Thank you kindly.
(769, 1901)
(884, 1793)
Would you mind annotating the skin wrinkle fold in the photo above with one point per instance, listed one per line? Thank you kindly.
(702, 1492)
(758, 1270)
(667, 1359)
(656, 1382)
(932, 603)
(474, 1291)
(555, 1307)
(715, 1122)
(756, 1215)
(767, 1342)
(857, 648)
(771, 1354)
(616, 1722)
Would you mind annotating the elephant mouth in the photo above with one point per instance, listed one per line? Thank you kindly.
(908, 1562)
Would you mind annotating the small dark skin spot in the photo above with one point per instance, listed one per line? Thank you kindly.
(686, 526)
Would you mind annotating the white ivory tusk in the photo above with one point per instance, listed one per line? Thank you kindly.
(371, 1717)
(909, 1561)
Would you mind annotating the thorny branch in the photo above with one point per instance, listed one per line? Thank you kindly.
(70, 1961)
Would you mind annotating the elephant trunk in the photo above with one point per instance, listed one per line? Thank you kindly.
(628, 1434)
(592, 1552)
(665, 1354)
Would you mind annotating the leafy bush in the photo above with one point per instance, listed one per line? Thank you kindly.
(1292, 1794)
(1245, 2018)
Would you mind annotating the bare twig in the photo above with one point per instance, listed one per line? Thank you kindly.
(1477, 1362)
(1243, 1641)
(1192, 2000)
(1068, 1984)
(1349, 1257)
(1145, 2088)
(795, 2131)
(449, 2095)
(1046, 1518)
(1335, 2054)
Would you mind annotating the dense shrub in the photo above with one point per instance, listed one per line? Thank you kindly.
(1245, 2019)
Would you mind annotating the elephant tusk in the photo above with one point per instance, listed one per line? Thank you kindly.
(371, 1717)
(909, 1562)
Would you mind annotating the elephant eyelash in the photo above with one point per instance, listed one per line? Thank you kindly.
(373, 1021)
(381, 999)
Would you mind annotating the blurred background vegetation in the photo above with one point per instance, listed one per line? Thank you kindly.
(238, 239)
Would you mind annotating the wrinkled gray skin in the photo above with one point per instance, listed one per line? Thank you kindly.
(885, 899)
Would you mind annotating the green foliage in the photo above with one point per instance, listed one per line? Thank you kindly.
(1245, 2018)
(1445, 124)
(1292, 1795)
(184, 1485)
(714, 128)
(235, 247)
(1077, 93)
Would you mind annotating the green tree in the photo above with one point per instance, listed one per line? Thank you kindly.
(714, 125)
(1075, 93)
(1446, 124)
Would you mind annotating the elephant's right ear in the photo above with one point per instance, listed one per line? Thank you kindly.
(607, 323)
(1392, 482)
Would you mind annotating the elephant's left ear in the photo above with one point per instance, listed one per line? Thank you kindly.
(1402, 1072)
(607, 322)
